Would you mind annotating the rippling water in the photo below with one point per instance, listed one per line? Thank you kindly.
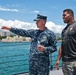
(14, 57)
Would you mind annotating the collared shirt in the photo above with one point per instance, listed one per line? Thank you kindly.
(69, 43)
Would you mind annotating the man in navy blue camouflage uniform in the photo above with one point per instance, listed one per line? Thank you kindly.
(43, 42)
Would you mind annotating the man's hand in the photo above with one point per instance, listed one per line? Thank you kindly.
(6, 28)
(41, 48)
(75, 66)
(57, 64)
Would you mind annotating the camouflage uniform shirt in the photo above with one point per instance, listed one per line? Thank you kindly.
(39, 61)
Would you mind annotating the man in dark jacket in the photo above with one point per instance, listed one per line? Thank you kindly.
(68, 46)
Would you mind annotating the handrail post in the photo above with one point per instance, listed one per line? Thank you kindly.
(51, 66)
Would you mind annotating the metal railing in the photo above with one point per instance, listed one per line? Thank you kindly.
(18, 63)
(53, 59)
(9, 67)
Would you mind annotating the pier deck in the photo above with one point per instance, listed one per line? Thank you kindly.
(56, 72)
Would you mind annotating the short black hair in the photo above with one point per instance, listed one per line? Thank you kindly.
(70, 11)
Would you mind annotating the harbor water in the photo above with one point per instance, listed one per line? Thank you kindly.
(14, 57)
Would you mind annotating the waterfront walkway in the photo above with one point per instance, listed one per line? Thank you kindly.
(56, 72)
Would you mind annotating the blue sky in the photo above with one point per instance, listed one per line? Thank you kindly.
(26, 10)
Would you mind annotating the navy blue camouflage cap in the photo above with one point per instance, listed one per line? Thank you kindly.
(40, 17)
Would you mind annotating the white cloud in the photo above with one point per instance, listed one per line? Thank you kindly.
(25, 25)
(6, 9)
(36, 11)
(55, 28)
